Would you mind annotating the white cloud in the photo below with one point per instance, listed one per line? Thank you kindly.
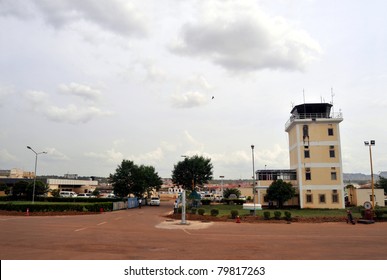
(109, 156)
(18, 8)
(74, 114)
(84, 91)
(117, 16)
(239, 37)
(37, 98)
(54, 154)
(5, 92)
(154, 73)
(6, 156)
(199, 82)
(192, 92)
(148, 158)
(189, 100)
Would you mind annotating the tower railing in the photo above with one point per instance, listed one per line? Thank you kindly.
(312, 116)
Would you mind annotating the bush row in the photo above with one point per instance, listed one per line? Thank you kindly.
(224, 201)
(213, 212)
(277, 215)
(57, 207)
(61, 199)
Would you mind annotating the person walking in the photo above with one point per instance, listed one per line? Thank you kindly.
(350, 217)
(139, 202)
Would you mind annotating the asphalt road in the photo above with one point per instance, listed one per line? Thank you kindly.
(145, 234)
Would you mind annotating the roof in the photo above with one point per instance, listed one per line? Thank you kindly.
(312, 108)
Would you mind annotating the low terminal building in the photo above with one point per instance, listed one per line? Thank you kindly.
(75, 185)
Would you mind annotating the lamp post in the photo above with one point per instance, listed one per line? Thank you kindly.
(222, 177)
(369, 144)
(252, 153)
(36, 164)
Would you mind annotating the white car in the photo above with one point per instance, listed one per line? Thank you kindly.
(85, 195)
(67, 194)
(154, 201)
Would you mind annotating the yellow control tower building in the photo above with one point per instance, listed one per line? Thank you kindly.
(315, 155)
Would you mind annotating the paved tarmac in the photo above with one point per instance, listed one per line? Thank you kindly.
(145, 234)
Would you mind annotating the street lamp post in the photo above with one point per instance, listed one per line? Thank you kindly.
(36, 164)
(252, 153)
(222, 177)
(369, 144)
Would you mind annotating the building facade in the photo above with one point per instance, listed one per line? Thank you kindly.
(315, 158)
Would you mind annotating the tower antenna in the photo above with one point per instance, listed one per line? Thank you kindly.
(332, 95)
(303, 93)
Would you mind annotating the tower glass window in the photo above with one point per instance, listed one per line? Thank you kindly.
(335, 197)
(330, 131)
(332, 151)
(308, 174)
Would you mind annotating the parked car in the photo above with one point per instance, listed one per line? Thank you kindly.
(154, 201)
(89, 195)
(242, 197)
(67, 194)
(209, 197)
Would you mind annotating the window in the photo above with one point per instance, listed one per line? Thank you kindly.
(321, 198)
(335, 198)
(309, 198)
(306, 153)
(330, 131)
(308, 175)
(333, 175)
(332, 151)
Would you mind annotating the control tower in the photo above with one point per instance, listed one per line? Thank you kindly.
(315, 154)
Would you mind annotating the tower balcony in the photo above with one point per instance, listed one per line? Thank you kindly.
(338, 117)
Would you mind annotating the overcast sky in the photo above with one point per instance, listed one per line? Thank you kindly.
(96, 82)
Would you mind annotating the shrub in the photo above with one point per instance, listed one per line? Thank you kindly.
(214, 212)
(234, 214)
(205, 201)
(193, 210)
(277, 215)
(378, 213)
(201, 211)
(266, 215)
(288, 215)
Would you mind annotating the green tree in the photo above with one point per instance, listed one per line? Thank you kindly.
(55, 192)
(280, 191)
(192, 171)
(132, 179)
(95, 193)
(145, 179)
(383, 183)
(228, 192)
(20, 188)
(40, 189)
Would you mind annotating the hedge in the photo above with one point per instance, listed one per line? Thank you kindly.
(56, 207)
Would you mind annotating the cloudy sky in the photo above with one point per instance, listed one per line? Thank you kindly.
(96, 82)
